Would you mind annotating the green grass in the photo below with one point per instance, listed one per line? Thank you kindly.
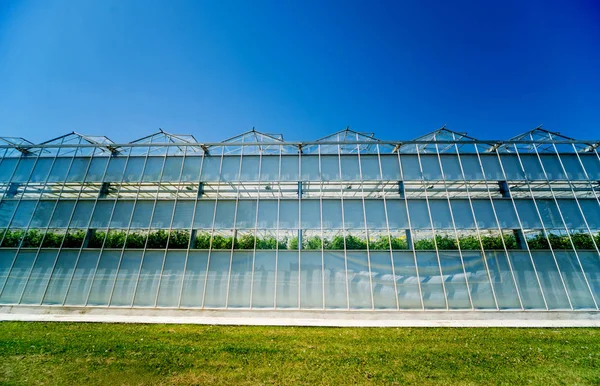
(82, 353)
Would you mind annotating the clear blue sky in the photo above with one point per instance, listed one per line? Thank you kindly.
(124, 68)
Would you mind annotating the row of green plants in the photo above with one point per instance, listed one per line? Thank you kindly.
(180, 239)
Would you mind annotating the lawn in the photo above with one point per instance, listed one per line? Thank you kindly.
(87, 353)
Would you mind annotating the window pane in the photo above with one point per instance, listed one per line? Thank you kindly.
(550, 278)
(289, 168)
(370, 167)
(451, 167)
(216, 285)
(479, 281)
(506, 214)
(359, 283)
(102, 214)
(502, 280)
(288, 214)
(104, 278)
(23, 214)
(410, 167)
(147, 288)
(550, 214)
(246, 214)
(116, 166)
(96, 170)
(6, 259)
(311, 280)
(225, 214)
(573, 167)
(384, 296)
(7, 166)
(529, 288)
(133, 171)
(240, 281)
(533, 168)
(431, 280)
(512, 167)
(61, 277)
(419, 216)
(59, 170)
(455, 284)
(205, 211)
(194, 279)
(23, 170)
(269, 168)
(171, 280)
(590, 209)
(431, 167)
(250, 168)
(310, 168)
(39, 277)
(62, 214)
(491, 167)
(332, 214)
(591, 164)
(43, 212)
(335, 280)
(191, 168)
(267, 214)
(376, 218)
(440, 212)
(172, 169)
(18, 276)
(211, 167)
(82, 278)
(163, 213)
(263, 282)
(7, 209)
(183, 215)
(353, 214)
(122, 214)
(142, 214)
(78, 169)
(484, 214)
(575, 281)
(287, 279)
(406, 280)
(528, 214)
(330, 168)
(552, 166)
(463, 216)
(571, 214)
(397, 217)
(230, 170)
(126, 278)
(471, 167)
(350, 168)
(153, 168)
(390, 167)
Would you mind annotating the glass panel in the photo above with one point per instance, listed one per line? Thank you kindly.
(6, 259)
(287, 279)
(18, 276)
(211, 167)
(41, 217)
(96, 170)
(353, 214)
(170, 282)
(406, 280)
(183, 215)
(463, 216)
(457, 292)
(410, 167)
(269, 168)
(311, 280)
(230, 171)
(471, 167)
(431, 280)
(484, 214)
(384, 296)
(59, 170)
(104, 278)
(240, 281)
(23, 170)
(397, 217)
(332, 214)
(122, 214)
(591, 164)
(502, 280)
(205, 211)
(552, 166)
(127, 278)
(191, 169)
(142, 214)
(571, 214)
(267, 214)
(61, 277)
(590, 209)
(217, 280)
(225, 214)
(335, 280)
(350, 168)
(376, 218)
(359, 283)
(263, 282)
(289, 168)
(102, 214)
(145, 294)
(23, 214)
(82, 214)
(152, 170)
(479, 281)
(62, 214)
(310, 168)
(440, 212)
(194, 279)
(6, 168)
(531, 296)
(172, 169)
(163, 213)
(311, 214)
(431, 167)
(370, 167)
(532, 166)
(6, 211)
(528, 214)
(506, 214)
(246, 214)
(419, 216)
(390, 168)
(491, 167)
(288, 214)
(554, 291)
(512, 167)
(590, 261)
(330, 168)
(451, 167)
(577, 287)
(82, 278)
(133, 171)
(250, 168)
(39, 278)
(116, 166)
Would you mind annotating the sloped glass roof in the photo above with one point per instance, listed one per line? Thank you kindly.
(273, 144)
(541, 142)
(437, 141)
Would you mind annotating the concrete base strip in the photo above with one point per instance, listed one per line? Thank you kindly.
(305, 318)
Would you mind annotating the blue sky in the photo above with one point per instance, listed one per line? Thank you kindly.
(124, 68)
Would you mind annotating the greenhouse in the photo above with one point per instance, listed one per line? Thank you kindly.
(345, 222)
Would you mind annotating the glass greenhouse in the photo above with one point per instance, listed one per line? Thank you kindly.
(346, 222)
